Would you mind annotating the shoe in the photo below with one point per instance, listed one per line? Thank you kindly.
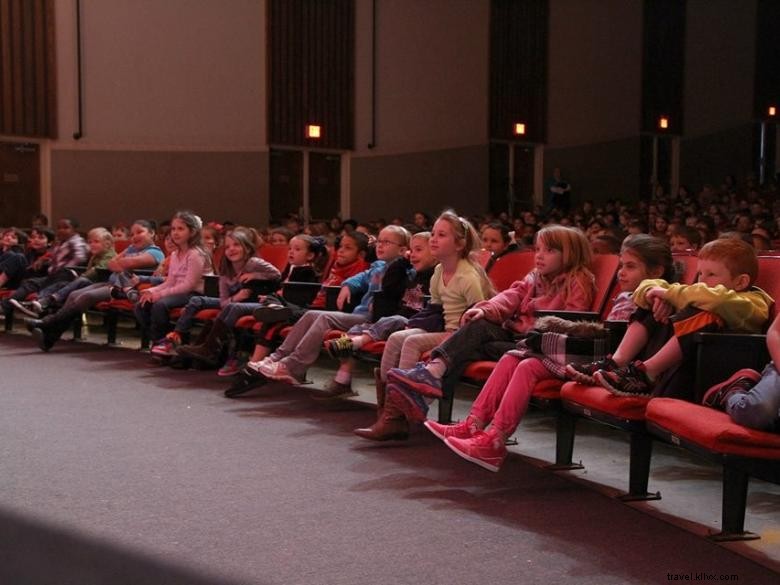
(411, 404)
(335, 391)
(117, 293)
(386, 428)
(167, 347)
(243, 384)
(583, 373)
(278, 371)
(465, 429)
(486, 449)
(740, 382)
(418, 379)
(629, 381)
(272, 313)
(31, 309)
(254, 367)
(40, 336)
(339, 348)
(33, 324)
(233, 366)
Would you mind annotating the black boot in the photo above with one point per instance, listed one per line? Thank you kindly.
(245, 381)
(209, 351)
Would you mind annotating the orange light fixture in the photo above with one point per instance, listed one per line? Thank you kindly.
(313, 131)
(663, 123)
(519, 129)
(772, 111)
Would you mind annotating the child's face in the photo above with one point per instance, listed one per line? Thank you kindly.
(714, 272)
(97, 245)
(348, 251)
(680, 244)
(443, 243)
(233, 250)
(38, 241)
(10, 239)
(420, 254)
(120, 234)
(492, 241)
(299, 253)
(180, 233)
(140, 236)
(208, 240)
(277, 240)
(632, 270)
(549, 262)
(389, 246)
(64, 230)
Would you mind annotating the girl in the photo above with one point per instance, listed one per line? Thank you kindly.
(458, 282)
(561, 280)
(13, 261)
(350, 260)
(306, 257)
(211, 239)
(141, 254)
(238, 268)
(507, 392)
(188, 263)
(497, 240)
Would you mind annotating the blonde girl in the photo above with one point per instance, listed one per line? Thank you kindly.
(187, 266)
(561, 280)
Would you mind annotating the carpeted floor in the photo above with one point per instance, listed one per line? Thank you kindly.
(114, 471)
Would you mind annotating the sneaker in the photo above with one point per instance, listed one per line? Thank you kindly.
(629, 381)
(254, 367)
(31, 308)
(411, 404)
(167, 347)
(740, 382)
(243, 384)
(272, 313)
(233, 366)
(465, 429)
(485, 449)
(583, 373)
(339, 348)
(278, 371)
(418, 379)
(335, 390)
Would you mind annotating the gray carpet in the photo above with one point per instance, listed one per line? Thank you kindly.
(116, 471)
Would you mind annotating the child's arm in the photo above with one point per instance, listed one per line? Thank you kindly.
(195, 267)
(259, 269)
(505, 304)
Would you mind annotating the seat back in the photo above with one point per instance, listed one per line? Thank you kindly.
(121, 245)
(510, 268)
(483, 257)
(769, 279)
(687, 267)
(604, 268)
(276, 255)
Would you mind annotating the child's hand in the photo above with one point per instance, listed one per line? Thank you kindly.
(472, 315)
(145, 298)
(115, 265)
(345, 296)
(134, 280)
(662, 310)
(657, 292)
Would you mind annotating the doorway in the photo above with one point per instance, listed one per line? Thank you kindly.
(306, 183)
(512, 177)
(20, 183)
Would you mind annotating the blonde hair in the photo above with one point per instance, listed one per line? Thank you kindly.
(103, 234)
(465, 232)
(576, 253)
(401, 232)
(421, 235)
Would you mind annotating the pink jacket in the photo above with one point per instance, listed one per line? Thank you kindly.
(514, 307)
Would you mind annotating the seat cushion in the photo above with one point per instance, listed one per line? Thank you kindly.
(479, 371)
(711, 429)
(596, 398)
(207, 314)
(245, 322)
(549, 389)
(373, 347)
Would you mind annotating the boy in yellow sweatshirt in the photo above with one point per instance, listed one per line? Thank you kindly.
(724, 299)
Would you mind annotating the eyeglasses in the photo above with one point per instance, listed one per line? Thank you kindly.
(388, 243)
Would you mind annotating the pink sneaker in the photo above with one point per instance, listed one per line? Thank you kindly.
(465, 429)
(278, 371)
(486, 449)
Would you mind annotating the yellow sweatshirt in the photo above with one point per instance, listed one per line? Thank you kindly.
(744, 311)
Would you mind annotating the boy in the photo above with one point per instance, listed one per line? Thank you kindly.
(749, 398)
(684, 239)
(723, 299)
(70, 250)
(301, 348)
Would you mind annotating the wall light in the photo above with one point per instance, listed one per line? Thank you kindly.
(663, 123)
(519, 129)
(772, 111)
(313, 131)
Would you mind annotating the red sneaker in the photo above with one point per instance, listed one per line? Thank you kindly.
(486, 449)
(465, 429)
(740, 382)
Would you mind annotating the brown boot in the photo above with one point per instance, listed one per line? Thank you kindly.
(380, 390)
(209, 351)
(389, 426)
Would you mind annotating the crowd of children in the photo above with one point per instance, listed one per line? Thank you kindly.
(422, 288)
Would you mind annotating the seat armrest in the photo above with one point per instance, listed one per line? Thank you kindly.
(331, 294)
(301, 293)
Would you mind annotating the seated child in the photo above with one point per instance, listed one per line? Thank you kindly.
(670, 314)
(13, 261)
(497, 239)
(749, 398)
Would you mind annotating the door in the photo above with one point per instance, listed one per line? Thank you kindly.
(286, 177)
(20, 194)
(324, 185)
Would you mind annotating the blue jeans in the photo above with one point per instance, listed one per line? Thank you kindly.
(759, 408)
(194, 305)
(154, 318)
(60, 296)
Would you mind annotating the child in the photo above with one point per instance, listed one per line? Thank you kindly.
(141, 254)
(497, 239)
(280, 237)
(302, 346)
(101, 249)
(749, 398)
(210, 238)
(12, 258)
(350, 260)
(306, 257)
(70, 250)
(458, 282)
(561, 280)
(120, 232)
(684, 239)
(239, 269)
(187, 266)
(723, 299)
